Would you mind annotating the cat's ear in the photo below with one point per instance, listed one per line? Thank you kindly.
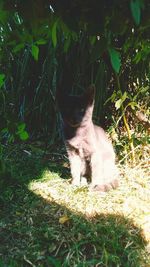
(89, 94)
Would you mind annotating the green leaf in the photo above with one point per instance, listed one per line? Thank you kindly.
(54, 33)
(141, 90)
(136, 6)
(41, 42)
(111, 98)
(67, 44)
(92, 39)
(118, 104)
(21, 127)
(115, 58)
(120, 101)
(138, 57)
(124, 97)
(18, 47)
(23, 135)
(35, 52)
(2, 77)
(133, 105)
(21, 132)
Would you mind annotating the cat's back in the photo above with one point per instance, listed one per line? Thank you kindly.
(103, 142)
(100, 134)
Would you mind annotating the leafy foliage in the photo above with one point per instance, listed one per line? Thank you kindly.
(68, 45)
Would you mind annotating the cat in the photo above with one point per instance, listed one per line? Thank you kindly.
(90, 152)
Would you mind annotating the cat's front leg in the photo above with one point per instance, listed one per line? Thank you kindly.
(96, 170)
(75, 166)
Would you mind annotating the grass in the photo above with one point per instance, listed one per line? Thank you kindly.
(44, 221)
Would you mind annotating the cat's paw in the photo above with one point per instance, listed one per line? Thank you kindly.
(84, 181)
(75, 182)
(105, 187)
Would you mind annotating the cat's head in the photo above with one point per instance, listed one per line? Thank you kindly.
(77, 110)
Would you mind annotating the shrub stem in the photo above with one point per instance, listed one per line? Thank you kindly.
(126, 124)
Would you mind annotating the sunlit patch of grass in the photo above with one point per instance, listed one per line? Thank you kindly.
(131, 199)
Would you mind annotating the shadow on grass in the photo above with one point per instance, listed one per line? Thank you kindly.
(31, 233)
